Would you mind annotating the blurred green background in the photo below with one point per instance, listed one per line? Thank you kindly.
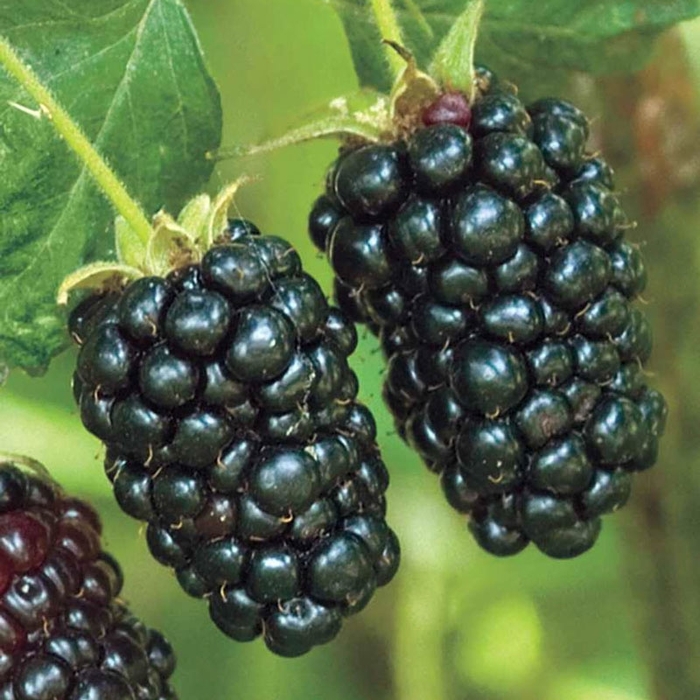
(456, 623)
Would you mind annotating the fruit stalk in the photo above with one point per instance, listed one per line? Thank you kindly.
(661, 535)
(49, 107)
(389, 29)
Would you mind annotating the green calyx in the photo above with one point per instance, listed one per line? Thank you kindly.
(451, 69)
(413, 91)
(453, 62)
(171, 244)
(367, 116)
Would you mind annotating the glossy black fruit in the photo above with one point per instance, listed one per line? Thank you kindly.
(63, 632)
(229, 411)
(440, 156)
(485, 248)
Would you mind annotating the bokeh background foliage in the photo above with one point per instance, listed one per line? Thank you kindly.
(620, 623)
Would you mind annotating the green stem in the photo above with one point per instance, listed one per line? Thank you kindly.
(76, 139)
(390, 30)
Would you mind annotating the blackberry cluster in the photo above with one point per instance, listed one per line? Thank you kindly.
(63, 633)
(229, 411)
(486, 250)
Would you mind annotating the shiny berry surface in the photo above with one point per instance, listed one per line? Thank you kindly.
(496, 273)
(231, 420)
(63, 632)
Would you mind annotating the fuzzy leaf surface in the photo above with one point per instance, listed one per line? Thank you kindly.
(518, 38)
(132, 75)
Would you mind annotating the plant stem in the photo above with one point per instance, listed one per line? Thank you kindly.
(390, 30)
(76, 139)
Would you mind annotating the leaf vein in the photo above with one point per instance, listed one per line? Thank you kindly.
(176, 85)
(123, 84)
(108, 16)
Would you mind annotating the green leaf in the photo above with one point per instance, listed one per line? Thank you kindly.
(519, 38)
(132, 75)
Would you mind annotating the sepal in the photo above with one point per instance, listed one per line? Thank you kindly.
(98, 275)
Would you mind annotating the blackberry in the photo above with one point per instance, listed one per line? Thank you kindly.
(225, 398)
(485, 248)
(64, 633)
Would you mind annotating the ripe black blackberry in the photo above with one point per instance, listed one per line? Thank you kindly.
(229, 411)
(485, 247)
(64, 635)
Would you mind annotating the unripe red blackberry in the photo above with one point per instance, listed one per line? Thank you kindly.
(64, 634)
(229, 411)
(486, 249)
